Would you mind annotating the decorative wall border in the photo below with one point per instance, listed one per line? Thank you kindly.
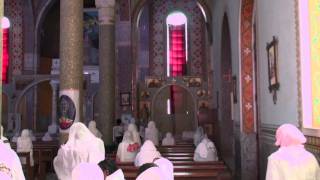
(247, 66)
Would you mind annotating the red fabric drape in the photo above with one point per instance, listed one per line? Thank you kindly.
(177, 60)
(5, 54)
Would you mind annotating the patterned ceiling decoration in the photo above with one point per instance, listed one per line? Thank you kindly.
(247, 66)
(13, 10)
(196, 35)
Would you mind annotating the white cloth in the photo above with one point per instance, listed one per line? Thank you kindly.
(122, 153)
(10, 163)
(166, 167)
(24, 144)
(82, 146)
(86, 171)
(153, 173)
(294, 163)
(198, 136)
(117, 175)
(92, 126)
(135, 134)
(168, 140)
(46, 137)
(205, 151)
(147, 154)
(152, 133)
(291, 160)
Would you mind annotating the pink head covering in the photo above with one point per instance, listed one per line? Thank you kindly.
(85, 171)
(148, 152)
(289, 135)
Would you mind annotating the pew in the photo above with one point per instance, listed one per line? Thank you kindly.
(43, 154)
(27, 168)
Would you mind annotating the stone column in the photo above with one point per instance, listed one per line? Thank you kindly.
(71, 59)
(106, 92)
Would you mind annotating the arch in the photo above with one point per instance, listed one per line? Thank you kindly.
(135, 15)
(23, 92)
(194, 99)
(39, 21)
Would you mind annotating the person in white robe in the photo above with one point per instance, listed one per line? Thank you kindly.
(82, 146)
(291, 161)
(198, 136)
(150, 161)
(24, 144)
(127, 149)
(10, 165)
(152, 133)
(117, 132)
(152, 173)
(87, 171)
(93, 128)
(110, 170)
(168, 140)
(4, 139)
(205, 151)
(135, 134)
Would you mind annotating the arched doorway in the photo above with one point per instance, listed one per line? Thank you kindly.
(226, 142)
(174, 114)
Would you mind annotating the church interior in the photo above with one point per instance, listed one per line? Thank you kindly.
(237, 68)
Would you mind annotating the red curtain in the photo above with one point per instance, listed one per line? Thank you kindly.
(177, 60)
(5, 54)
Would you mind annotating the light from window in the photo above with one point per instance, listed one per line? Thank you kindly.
(310, 62)
(176, 44)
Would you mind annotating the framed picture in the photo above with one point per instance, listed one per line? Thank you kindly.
(272, 51)
(90, 36)
(125, 99)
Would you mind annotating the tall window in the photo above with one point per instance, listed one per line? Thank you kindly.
(5, 48)
(176, 53)
(310, 62)
(176, 44)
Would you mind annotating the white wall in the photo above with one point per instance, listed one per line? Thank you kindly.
(277, 18)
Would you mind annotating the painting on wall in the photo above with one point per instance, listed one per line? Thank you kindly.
(194, 82)
(90, 37)
(125, 99)
(272, 52)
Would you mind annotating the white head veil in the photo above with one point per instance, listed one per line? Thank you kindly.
(82, 146)
(135, 134)
(151, 133)
(24, 144)
(85, 171)
(92, 126)
(147, 154)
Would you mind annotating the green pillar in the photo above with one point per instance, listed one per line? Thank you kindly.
(106, 92)
(71, 59)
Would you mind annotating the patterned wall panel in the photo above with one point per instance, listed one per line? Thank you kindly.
(196, 35)
(14, 11)
(247, 66)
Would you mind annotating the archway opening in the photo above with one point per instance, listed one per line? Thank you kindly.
(174, 116)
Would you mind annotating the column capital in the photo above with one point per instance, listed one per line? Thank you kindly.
(106, 9)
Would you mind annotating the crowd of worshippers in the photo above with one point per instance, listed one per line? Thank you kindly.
(83, 155)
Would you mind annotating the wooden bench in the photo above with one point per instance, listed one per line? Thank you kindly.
(43, 154)
(27, 168)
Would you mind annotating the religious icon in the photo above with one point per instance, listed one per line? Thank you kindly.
(153, 83)
(125, 99)
(194, 82)
(66, 112)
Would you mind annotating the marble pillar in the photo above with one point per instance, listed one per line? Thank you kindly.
(106, 94)
(71, 57)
